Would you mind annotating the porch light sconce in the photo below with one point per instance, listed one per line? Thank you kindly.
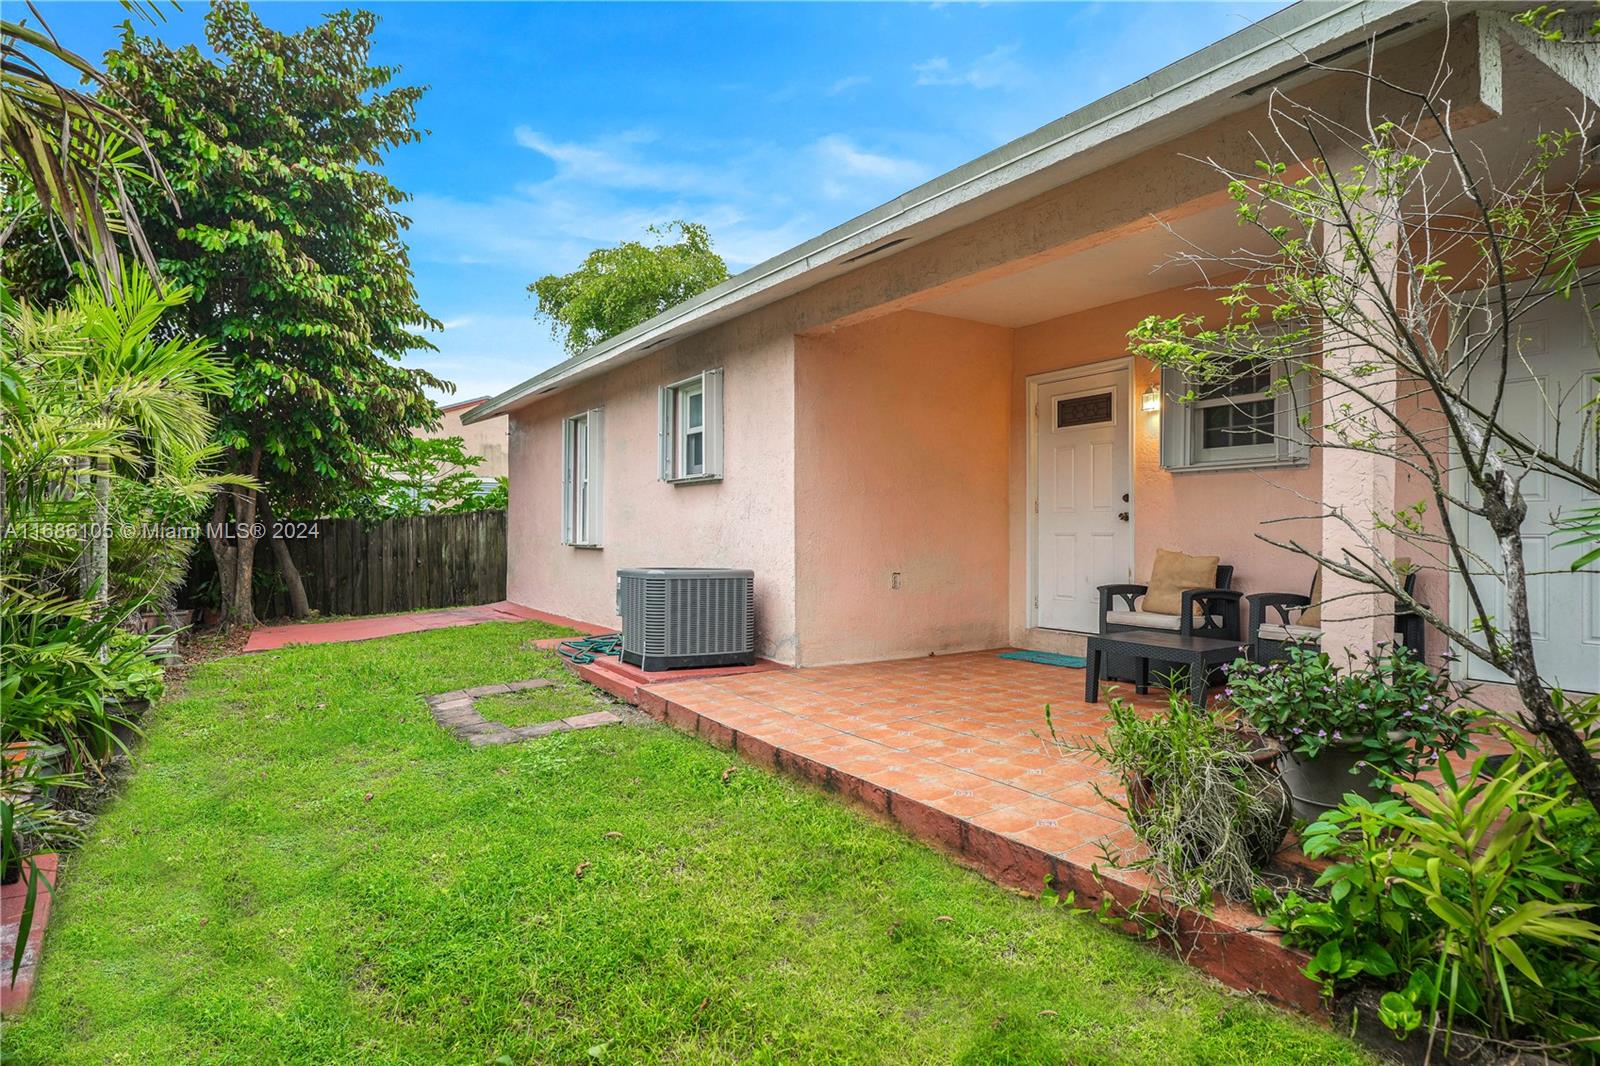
(1150, 402)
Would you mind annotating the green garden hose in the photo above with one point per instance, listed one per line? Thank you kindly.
(587, 649)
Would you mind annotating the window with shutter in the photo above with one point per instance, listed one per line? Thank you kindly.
(690, 429)
(581, 479)
(1250, 420)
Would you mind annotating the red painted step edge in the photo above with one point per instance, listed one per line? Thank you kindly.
(13, 997)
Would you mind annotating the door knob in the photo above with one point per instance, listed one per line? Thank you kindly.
(1122, 515)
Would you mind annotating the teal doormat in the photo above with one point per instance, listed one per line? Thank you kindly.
(1047, 658)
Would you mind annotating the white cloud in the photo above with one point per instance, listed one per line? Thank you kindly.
(845, 84)
(757, 197)
(614, 161)
(845, 167)
(996, 69)
(839, 152)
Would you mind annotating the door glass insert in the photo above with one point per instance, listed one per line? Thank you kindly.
(1090, 410)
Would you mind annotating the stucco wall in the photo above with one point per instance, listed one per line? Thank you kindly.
(745, 520)
(901, 446)
(486, 439)
(1201, 513)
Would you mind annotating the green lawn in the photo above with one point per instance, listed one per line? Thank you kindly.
(306, 869)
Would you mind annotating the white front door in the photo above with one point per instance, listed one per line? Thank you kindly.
(1548, 387)
(1083, 527)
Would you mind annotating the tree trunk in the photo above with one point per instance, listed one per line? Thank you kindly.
(240, 609)
(299, 605)
(1543, 717)
(100, 546)
(235, 555)
(83, 566)
(221, 549)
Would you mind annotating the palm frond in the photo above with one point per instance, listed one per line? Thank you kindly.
(77, 152)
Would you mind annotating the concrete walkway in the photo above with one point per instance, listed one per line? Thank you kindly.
(267, 638)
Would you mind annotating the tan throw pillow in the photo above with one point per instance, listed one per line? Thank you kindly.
(1174, 572)
(1312, 615)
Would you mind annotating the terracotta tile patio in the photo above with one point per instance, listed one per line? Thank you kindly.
(955, 749)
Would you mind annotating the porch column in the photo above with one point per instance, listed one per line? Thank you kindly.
(1358, 484)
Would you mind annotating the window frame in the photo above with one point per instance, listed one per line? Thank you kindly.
(674, 432)
(1183, 424)
(582, 478)
(684, 430)
(1233, 453)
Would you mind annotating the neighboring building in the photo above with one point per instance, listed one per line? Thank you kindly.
(863, 420)
(485, 438)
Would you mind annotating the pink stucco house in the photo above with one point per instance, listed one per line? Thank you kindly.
(922, 429)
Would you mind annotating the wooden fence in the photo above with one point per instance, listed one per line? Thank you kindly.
(399, 564)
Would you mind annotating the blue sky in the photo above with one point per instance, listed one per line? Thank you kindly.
(556, 128)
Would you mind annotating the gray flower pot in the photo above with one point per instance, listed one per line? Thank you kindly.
(1319, 784)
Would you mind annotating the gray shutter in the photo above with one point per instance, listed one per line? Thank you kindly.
(664, 444)
(711, 384)
(1174, 418)
(567, 457)
(1294, 442)
(597, 473)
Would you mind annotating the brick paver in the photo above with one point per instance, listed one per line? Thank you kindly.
(458, 712)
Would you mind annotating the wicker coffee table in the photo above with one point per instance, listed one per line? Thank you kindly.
(1198, 654)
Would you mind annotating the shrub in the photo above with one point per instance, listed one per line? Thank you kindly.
(137, 676)
(1397, 711)
(1198, 797)
(1461, 902)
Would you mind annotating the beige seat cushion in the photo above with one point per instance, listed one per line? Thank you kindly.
(1172, 574)
(1269, 631)
(1312, 615)
(1144, 620)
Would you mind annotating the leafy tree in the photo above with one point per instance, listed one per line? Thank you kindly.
(153, 392)
(291, 238)
(617, 288)
(421, 475)
(107, 429)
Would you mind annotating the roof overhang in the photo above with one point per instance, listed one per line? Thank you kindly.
(1216, 81)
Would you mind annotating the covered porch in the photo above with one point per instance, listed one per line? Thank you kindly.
(972, 464)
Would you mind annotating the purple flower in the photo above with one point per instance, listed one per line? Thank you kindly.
(1297, 729)
(1336, 735)
(1322, 732)
(1227, 692)
(1363, 706)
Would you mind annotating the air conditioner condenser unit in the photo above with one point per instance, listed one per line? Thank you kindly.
(677, 618)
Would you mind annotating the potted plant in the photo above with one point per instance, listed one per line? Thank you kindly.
(1350, 730)
(1200, 793)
